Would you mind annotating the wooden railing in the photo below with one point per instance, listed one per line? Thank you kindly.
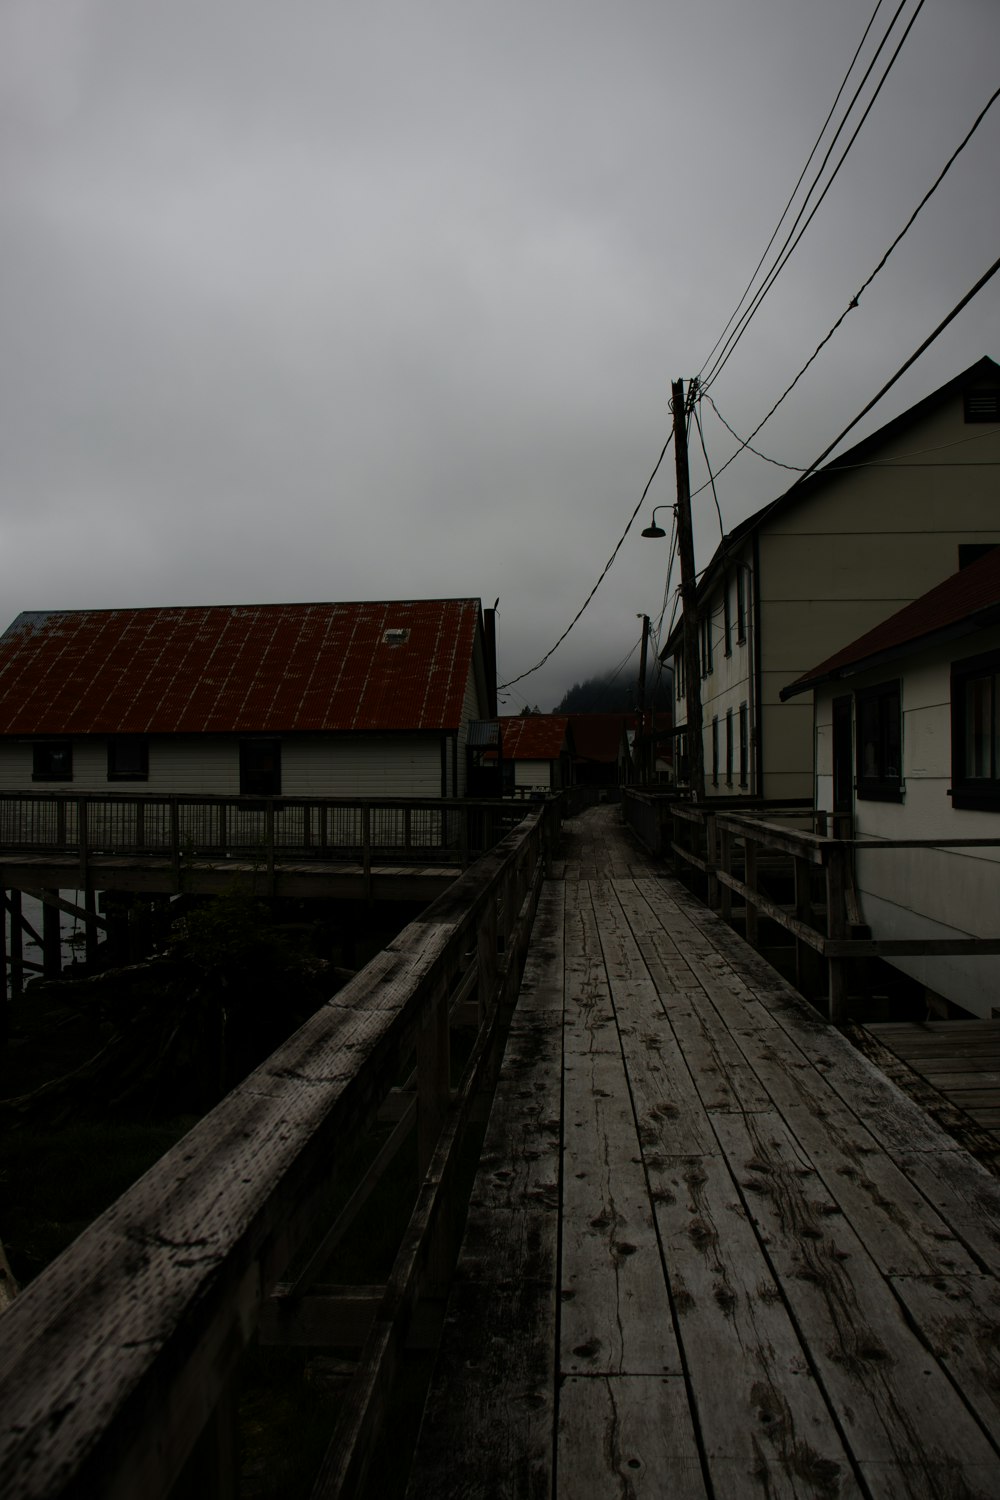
(735, 853)
(117, 1363)
(368, 830)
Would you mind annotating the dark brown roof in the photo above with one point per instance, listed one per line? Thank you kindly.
(964, 601)
(598, 737)
(534, 736)
(238, 669)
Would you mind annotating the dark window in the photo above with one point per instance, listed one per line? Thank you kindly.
(727, 617)
(741, 605)
(879, 743)
(975, 771)
(128, 758)
(982, 406)
(744, 746)
(52, 760)
(260, 768)
(715, 752)
(679, 675)
(706, 643)
(729, 747)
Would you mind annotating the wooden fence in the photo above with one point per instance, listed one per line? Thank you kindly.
(733, 853)
(117, 1364)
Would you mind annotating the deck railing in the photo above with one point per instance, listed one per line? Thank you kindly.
(117, 1363)
(739, 853)
(390, 829)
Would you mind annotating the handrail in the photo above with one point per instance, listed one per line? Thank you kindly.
(841, 934)
(178, 827)
(112, 1361)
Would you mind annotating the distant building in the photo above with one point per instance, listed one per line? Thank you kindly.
(827, 560)
(300, 700)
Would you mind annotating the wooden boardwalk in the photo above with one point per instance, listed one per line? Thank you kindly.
(960, 1059)
(712, 1250)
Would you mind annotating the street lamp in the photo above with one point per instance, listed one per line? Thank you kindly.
(652, 529)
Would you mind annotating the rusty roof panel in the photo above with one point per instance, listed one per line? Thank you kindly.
(534, 736)
(239, 669)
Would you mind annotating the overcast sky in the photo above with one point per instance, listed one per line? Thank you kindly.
(383, 300)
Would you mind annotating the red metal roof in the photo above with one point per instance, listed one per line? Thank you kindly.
(959, 599)
(534, 736)
(238, 669)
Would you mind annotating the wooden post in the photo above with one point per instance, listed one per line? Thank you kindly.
(366, 847)
(82, 835)
(486, 949)
(803, 911)
(463, 834)
(750, 879)
(433, 1078)
(90, 925)
(712, 891)
(269, 843)
(51, 939)
(835, 928)
(726, 866)
(16, 946)
(175, 841)
(61, 823)
(689, 595)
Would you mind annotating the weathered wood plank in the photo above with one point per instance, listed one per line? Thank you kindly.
(891, 1396)
(629, 1436)
(615, 1311)
(959, 1316)
(763, 1419)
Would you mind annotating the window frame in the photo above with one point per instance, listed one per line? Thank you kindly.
(43, 750)
(744, 745)
(120, 742)
(884, 785)
(729, 747)
(715, 750)
(980, 793)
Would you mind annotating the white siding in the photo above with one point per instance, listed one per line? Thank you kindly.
(404, 765)
(533, 774)
(925, 892)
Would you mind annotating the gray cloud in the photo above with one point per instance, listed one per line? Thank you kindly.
(345, 301)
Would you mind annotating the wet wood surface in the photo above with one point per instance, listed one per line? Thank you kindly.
(712, 1250)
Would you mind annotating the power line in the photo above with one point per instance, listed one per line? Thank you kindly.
(604, 571)
(902, 462)
(972, 292)
(795, 189)
(791, 244)
(871, 277)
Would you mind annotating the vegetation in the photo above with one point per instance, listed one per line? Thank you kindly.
(610, 693)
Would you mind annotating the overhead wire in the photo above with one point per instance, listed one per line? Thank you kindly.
(871, 276)
(790, 244)
(604, 572)
(774, 235)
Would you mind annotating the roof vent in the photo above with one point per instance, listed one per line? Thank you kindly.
(982, 406)
(395, 637)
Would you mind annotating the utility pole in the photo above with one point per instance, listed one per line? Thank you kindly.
(641, 752)
(689, 596)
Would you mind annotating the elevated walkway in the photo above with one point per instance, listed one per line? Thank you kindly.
(712, 1250)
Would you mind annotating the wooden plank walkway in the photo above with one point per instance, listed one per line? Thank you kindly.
(712, 1251)
(961, 1059)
